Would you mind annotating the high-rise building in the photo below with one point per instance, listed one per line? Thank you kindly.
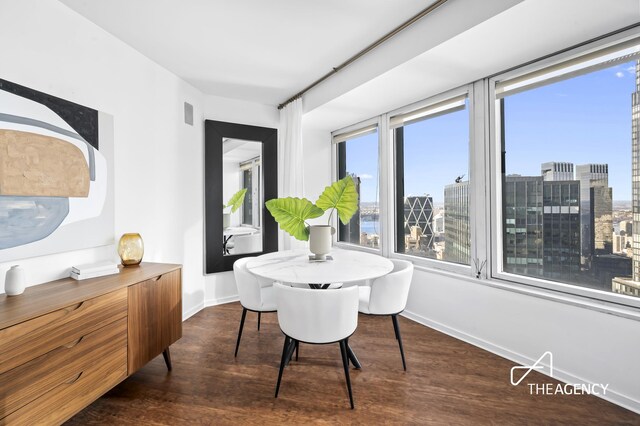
(561, 229)
(457, 237)
(542, 225)
(621, 243)
(554, 170)
(523, 225)
(635, 154)
(418, 211)
(622, 284)
(601, 219)
(626, 227)
(438, 223)
(595, 211)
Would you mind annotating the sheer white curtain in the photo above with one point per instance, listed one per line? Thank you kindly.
(290, 162)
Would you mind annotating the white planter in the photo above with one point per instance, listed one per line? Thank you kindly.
(320, 239)
(15, 281)
(226, 220)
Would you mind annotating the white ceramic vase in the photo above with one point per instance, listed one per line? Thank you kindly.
(320, 239)
(15, 281)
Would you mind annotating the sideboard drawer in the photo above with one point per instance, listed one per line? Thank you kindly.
(23, 342)
(74, 392)
(29, 381)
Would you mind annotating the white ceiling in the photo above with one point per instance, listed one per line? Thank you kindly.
(519, 34)
(238, 150)
(256, 50)
(265, 51)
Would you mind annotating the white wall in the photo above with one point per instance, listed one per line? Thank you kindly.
(317, 161)
(50, 48)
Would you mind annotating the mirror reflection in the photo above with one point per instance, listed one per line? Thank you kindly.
(242, 193)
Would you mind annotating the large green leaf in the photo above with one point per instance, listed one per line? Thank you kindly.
(236, 200)
(291, 214)
(342, 196)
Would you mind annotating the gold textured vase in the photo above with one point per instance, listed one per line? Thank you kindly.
(131, 249)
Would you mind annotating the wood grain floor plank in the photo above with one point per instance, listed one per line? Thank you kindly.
(447, 382)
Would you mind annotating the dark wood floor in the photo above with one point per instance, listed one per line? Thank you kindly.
(448, 381)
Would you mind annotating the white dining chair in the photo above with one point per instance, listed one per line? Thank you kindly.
(317, 317)
(256, 294)
(388, 295)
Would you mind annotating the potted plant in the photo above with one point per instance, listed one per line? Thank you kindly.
(292, 214)
(234, 203)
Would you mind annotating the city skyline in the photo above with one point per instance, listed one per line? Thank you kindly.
(576, 127)
(575, 130)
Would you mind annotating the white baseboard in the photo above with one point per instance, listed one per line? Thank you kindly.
(611, 396)
(191, 312)
(209, 302)
(221, 300)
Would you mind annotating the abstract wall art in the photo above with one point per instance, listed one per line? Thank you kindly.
(56, 174)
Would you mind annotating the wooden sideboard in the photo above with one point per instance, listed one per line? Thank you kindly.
(65, 343)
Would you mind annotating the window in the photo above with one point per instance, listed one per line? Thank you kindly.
(432, 181)
(532, 185)
(251, 181)
(358, 157)
(570, 198)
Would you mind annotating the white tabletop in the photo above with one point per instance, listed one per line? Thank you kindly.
(294, 266)
(239, 230)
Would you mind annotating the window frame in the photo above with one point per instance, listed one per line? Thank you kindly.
(494, 168)
(334, 175)
(255, 166)
(390, 154)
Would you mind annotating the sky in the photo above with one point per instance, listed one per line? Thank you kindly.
(585, 119)
(362, 159)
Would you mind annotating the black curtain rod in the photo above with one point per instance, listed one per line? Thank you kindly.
(366, 50)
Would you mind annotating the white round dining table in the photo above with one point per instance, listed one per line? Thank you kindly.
(295, 266)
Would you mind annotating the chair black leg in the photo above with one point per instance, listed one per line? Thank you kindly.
(259, 314)
(345, 364)
(244, 314)
(290, 349)
(353, 358)
(285, 350)
(297, 349)
(396, 327)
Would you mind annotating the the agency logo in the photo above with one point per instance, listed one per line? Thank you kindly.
(554, 388)
(536, 366)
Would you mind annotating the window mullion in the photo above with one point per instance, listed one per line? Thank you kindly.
(386, 214)
(480, 180)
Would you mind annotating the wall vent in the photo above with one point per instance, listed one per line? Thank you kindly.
(188, 113)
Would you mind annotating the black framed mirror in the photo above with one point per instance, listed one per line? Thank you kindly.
(241, 172)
